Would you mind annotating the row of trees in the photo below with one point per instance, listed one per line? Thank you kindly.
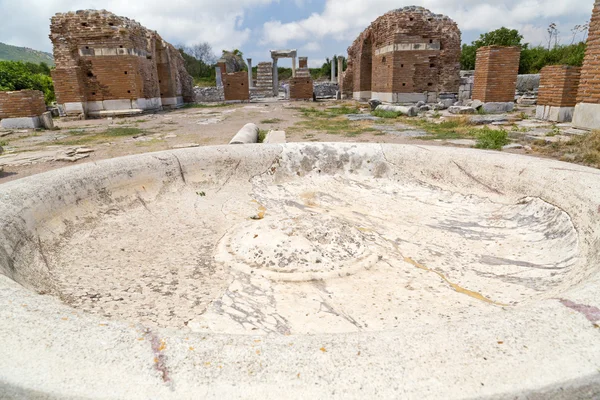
(16, 75)
(533, 59)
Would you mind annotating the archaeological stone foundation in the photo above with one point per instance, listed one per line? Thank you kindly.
(109, 65)
(406, 55)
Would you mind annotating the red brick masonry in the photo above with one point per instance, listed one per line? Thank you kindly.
(589, 85)
(496, 71)
(24, 103)
(559, 85)
(301, 89)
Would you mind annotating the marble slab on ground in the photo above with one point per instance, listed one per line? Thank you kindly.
(462, 142)
(488, 119)
(400, 130)
(362, 117)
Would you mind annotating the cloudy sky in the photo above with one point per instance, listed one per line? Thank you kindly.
(317, 28)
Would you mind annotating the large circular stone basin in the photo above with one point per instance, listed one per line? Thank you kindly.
(302, 271)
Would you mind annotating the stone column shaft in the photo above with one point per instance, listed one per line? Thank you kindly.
(250, 80)
(275, 78)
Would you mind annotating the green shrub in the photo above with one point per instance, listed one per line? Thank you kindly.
(491, 139)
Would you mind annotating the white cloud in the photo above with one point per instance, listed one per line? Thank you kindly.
(27, 22)
(343, 20)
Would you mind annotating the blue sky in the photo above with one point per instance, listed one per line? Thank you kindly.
(317, 28)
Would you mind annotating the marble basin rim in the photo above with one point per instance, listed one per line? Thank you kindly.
(478, 329)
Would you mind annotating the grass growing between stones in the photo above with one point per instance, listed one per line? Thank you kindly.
(458, 128)
(80, 137)
(331, 112)
(491, 139)
(583, 150)
(271, 121)
(262, 135)
(331, 121)
(386, 114)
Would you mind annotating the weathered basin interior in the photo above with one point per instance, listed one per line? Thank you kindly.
(317, 258)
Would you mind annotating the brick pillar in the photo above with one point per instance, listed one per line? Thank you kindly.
(587, 111)
(557, 96)
(302, 62)
(496, 71)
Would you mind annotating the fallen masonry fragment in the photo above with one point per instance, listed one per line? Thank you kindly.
(109, 65)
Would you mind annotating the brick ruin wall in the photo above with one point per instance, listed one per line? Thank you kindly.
(409, 50)
(21, 104)
(589, 85)
(302, 62)
(301, 88)
(236, 86)
(559, 85)
(496, 70)
(100, 56)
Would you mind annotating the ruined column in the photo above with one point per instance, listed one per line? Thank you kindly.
(219, 77)
(332, 70)
(340, 70)
(250, 80)
(275, 78)
(587, 110)
(293, 66)
(496, 70)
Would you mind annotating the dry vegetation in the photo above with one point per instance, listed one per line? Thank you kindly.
(581, 149)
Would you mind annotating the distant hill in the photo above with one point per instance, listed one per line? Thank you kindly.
(14, 53)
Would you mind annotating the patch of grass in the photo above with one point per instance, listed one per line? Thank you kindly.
(122, 131)
(198, 105)
(329, 112)
(271, 121)
(3, 143)
(481, 111)
(436, 115)
(386, 114)
(491, 139)
(262, 135)
(457, 128)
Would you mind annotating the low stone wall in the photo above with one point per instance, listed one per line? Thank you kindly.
(211, 94)
(325, 90)
(528, 83)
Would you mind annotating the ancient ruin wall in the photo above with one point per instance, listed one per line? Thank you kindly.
(496, 70)
(301, 88)
(23, 103)
(589, 86)
(106, 62)
(406, 51)
(236, 86)
(558, 86)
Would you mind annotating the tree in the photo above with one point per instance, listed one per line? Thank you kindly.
(203, 52)
(552, 35)
(21, 76)
(499, 37)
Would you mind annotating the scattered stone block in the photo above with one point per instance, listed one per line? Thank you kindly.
(362, 117)
(409, 111)
(461, 110)
(275, 137)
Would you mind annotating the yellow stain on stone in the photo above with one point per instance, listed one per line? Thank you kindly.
(454, 286)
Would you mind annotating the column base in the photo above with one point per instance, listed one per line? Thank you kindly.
(587, 116)
(554, 113)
